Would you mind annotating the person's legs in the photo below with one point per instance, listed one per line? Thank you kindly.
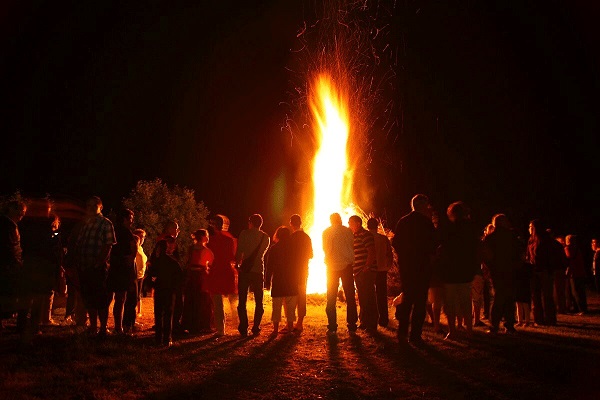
(276, 313)
(580, 287)
(289, 305)
(450, 307)
(559, 294)
(382, 298)
(233, 303)
(243, 286)
(169, 307)
(365, 285)
(548, 298)
(139, 289)
(418, 313)
(536, 298)
(436, 298)
(46, 311)
(219, 313)
(130, 308)
(178, 309)
(477, 294)
(301, 301)
(332, 291)
(256, 286)
(118, 310)
(159, 311)
(347, 277)
(466, 305)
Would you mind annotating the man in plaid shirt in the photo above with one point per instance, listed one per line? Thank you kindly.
(93, 244)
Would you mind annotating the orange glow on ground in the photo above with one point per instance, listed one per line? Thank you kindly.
(332, 176)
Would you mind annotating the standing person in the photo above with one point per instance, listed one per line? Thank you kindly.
(301, 253)
(282, 279)
(596, 264)
(141, 263)
(42, 261)
(338, 248)
(414, 241)
(11, 261)
(122, 274)
(460, 246)
(384, 259)
(546, 255)
(75, 311)
(523, 294)
(197, 306)
(221, 279)
(93, 245)
(364, 270)
(252, 245)
(561, 290)
(576, 275)
(167, 277)
(171, 229)
(503, 254)
(488, 287)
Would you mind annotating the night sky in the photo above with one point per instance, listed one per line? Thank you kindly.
(494, 104)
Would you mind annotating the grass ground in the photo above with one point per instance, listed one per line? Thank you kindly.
(547, 363)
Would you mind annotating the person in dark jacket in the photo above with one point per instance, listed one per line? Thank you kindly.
(42, 261)
(415, 246)
(167, 276)
(282, 276)
(11, 260)
(460, 258)
(503, 255)
(546, 256)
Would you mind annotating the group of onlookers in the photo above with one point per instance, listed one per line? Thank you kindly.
(444, 265)
(447, 265)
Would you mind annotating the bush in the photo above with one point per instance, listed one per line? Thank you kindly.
(154, 204)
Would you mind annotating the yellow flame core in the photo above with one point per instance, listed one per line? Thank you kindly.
(332, 177)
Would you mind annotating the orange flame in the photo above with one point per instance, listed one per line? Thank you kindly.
(332, 175)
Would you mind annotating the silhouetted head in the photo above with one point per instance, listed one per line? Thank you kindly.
(200, 236)
(355, 223)
(295, 221)
(420, 203)
(255, 221)
(372, 224)
(458, 211)
(335, 219)
(282, 233)
(501, 220)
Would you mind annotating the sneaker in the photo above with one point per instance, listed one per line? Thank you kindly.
(492, 331)
(479, 323)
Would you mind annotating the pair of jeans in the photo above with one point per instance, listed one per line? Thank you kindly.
(254, 282)
(333, 282)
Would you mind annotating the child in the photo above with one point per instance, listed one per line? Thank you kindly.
(284, 286)
(523, 294)
(167, 275)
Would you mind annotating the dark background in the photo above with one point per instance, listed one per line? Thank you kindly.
(496, 104)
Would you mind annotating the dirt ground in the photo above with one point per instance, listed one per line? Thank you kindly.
(551, 363)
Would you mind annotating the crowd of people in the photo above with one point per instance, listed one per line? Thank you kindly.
(444, 265)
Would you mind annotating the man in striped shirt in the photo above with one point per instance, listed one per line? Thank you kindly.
(365, 270)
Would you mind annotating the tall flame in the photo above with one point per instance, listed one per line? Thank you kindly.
(332, 176)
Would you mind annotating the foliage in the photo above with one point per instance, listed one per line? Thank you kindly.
(5, 199)
(154, 204)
